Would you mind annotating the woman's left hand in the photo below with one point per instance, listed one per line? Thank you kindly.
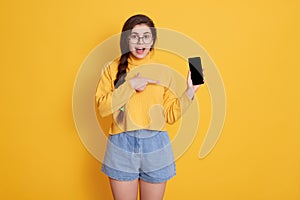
(191, 89)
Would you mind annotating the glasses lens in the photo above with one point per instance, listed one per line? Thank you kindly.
(147, 38)
(134, 38)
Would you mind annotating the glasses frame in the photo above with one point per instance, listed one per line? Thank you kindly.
(140, 37)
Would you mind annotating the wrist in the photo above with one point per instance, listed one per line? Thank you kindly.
(190, 93)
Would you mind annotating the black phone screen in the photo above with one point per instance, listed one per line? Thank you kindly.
(196, 70)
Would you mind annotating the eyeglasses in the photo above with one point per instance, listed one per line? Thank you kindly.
(146, 38)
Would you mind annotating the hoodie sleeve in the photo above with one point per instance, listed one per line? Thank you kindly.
(175, 105)
(108, 99)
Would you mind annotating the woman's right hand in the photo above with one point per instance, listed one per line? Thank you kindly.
(139, 83)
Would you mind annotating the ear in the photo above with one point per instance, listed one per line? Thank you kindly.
(152, 45)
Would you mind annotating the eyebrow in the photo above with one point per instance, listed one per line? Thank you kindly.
(138, 33)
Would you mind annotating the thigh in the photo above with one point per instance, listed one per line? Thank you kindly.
(124, 190)
(152, 191)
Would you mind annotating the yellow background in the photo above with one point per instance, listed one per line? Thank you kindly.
(255, 45)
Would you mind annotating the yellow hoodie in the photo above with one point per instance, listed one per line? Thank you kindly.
(150, 109)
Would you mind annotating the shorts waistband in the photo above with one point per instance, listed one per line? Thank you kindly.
(143, 133)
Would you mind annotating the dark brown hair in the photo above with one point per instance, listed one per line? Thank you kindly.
(126, 30)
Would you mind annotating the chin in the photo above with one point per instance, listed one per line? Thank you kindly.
(139, 55)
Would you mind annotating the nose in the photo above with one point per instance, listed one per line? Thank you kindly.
(140, 39)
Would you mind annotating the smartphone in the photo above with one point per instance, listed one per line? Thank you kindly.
(196, 70)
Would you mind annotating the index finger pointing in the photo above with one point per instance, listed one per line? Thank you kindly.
(152, 81)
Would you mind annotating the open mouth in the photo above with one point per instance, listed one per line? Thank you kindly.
(140, 50)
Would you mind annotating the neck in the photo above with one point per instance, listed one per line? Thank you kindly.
(139, 61)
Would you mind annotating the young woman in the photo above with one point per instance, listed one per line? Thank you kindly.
(139, 151)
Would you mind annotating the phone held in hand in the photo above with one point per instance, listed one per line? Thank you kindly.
(196, 70)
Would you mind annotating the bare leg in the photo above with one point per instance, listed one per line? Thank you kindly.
(152, 191)
(124, 190)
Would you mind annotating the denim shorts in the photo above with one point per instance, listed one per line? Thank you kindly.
(144, 154)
